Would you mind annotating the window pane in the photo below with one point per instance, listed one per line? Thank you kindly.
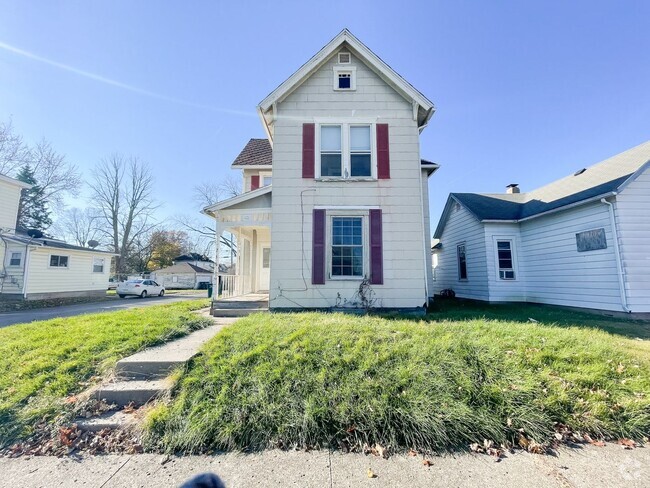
(266, 257)
(63, 261)
(503, 245)
(360, 138)
(330, 138)
(344, 81)
(54, 260)
(360, 165)
(347, 246)
(330, 164)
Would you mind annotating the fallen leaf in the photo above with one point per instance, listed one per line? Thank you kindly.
(620, 368)
(509, 422)
(523, 442)
(598, 443)
(412, 452)
(627, 443)
(380, 451)
(71, 399)
(558, 436)
(427, 463)
(371, 474)
(474, 447)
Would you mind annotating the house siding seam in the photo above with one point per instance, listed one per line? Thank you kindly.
(294, 197)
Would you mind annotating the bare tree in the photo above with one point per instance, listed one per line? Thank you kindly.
(79, 225)
(13, 150)
(122, 189)
(54, 174)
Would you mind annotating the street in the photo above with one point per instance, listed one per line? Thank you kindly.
(22, 316)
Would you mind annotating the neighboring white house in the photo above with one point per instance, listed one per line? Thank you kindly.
(582, 241)
(349, 195)
(182, 275)
(36, 268)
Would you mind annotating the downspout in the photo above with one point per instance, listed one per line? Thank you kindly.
(26, 269)
(617, 251)
(424, 238)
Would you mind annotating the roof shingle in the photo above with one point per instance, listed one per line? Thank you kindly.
(256, 152)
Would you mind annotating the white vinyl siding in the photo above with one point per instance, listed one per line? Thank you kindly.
(504, 290)
(463, 228)
(77, 276)
(9, 199)
(633, 220)
(556, 273)
(398, 197)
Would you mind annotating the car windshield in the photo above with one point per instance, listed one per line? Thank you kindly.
(135, 281)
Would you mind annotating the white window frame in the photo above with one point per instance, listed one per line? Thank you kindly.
(11, 258)
(345, 148)
(513, 253)
(348, 70)
(49, 261)
(364, 214)
(265, 174)
(103, 260)
(458, 246)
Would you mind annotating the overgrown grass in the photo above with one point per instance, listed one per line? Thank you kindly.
(43, 362)
(332, 380)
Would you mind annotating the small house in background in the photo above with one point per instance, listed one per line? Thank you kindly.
(36, 267)
(581, 241)
(183, 275)
(196, 259)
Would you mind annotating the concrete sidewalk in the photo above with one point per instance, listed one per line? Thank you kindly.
(583, 467)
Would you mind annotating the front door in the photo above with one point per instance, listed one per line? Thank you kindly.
(265, 269)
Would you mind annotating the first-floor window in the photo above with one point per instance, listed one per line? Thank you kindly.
(347, 246)
(462, 262)
(504, 254)
(98, 265)
(16, 258)
(58, 261)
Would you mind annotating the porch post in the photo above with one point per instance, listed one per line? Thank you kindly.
(240, 255)
(216, 279)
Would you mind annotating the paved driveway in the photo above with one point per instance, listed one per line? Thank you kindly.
(10, 318)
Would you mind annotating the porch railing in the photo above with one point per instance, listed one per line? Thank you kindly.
(234, 286)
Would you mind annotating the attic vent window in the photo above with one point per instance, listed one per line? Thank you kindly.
(344, 78)
(344, 58)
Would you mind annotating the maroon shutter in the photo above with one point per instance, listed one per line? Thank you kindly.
(383, 154)
(308, 143)
(255, 182)
(376, 249)
(318, 248)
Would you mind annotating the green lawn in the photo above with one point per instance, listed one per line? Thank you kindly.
(469, 372)
(43, 362)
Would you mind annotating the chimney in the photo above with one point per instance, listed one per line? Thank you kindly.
(512, 188)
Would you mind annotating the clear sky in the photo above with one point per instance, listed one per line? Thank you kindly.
(526, 91)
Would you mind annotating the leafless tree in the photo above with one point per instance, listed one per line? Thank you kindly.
(79, 225)
(13, 150)
(54, 174)
(122, 189)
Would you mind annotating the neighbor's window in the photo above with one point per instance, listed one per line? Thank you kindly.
(174, 279)
(16, 258)
(266, 180)
(330, 150)
(58, 261)
(98, 265)
(506, 268)
(360, 155)
(347, 246)
(462, 262)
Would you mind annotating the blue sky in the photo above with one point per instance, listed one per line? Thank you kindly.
(526, 92)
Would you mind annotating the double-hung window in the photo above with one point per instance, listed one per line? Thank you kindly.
(330, 150)
(506, 260)
(462, 261)
(15, 259)
(98, 265)
(58, 261)
(346, 151)
(347, 247)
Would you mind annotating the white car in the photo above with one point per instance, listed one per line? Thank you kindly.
(140, 288)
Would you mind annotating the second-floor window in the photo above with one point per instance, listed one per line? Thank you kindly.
(346, 151)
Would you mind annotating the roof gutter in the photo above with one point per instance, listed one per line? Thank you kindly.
(617, 251)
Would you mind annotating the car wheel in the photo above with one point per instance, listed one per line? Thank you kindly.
(121, 296)
(143, 294)
(162, 293)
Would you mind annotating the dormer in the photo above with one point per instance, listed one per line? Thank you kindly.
(255, 161)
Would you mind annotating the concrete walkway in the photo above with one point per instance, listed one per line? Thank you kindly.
(590, 466)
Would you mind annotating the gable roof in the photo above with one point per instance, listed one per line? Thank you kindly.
(183, 267)
(602, 179)
(53, 243)
(192, 256)
(257, 152)
(425, 107)
(244, 197)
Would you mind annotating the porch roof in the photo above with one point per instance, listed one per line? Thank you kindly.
(248, 197)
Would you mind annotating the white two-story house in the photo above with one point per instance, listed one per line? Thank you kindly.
(37, 267)
(335, 205)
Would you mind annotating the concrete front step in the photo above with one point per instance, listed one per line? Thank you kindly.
(123, 393)
(108, 420)
(157, 362)
(227, 305)
(235, 312)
